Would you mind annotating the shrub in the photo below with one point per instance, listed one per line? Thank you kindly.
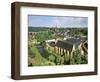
(51, 58)
(62, 60)
(57, 61)
(76, 57)
(84, 59)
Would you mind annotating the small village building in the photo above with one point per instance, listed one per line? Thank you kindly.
(65, 46)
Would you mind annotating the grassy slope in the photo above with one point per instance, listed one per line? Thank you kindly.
(38, 60)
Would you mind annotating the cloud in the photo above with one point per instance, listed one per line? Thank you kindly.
(52, 21)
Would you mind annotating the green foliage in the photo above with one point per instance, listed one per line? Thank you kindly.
(84, 59)
(77, 57)
(51, 58)
(62, 60)
(31, 52)
(78, 31)
(72, 61)
(41, 34)
(59, 60)
(37, 59)
(43, 44)
(36, 29)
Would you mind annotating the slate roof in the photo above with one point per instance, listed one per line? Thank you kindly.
(64, 45)
(68, 43)
(73, 41)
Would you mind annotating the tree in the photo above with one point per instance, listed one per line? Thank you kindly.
(77, 57)
(57, 61)
(51, 58)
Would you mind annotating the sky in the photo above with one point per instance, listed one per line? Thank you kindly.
(59, 21)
